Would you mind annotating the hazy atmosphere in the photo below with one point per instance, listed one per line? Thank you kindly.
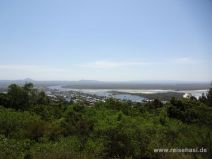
(106, 40)
(105, 79)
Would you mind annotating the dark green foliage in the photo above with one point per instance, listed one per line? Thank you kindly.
(182, 109)
(162, 96)
(209, 97)
(75, 122)
(48, 112)
(12, 122)
(20, 98)
(35, 130)
(118, 145)
(111, 129)
(190, 110)
(4, 100)
(156, 103)
(203, 99)
(42, 98)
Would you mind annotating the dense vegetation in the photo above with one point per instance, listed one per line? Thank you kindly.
(34, 127)
(162, 96)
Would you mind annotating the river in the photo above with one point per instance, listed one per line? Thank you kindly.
(125, 93)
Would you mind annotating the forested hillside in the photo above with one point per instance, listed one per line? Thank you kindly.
(32, 126)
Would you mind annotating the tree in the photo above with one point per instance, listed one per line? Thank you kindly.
(20, 98)
(17, 96)
(42, 98)
(209, 97)
(203, 98)
(76, 122)
(35, 130)
(4, 99)
(28, 86)
(156, 103)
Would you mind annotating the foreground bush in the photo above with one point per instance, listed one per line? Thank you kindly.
(111, 129)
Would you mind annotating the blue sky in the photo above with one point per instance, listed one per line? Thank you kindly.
(109, 40)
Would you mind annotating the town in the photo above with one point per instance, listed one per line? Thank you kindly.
(73, 96)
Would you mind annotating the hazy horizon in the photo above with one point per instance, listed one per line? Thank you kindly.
(123, 81)
(106, 40)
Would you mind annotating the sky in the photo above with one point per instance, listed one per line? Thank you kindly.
(107, 40)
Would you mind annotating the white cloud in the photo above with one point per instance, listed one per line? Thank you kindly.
(33, 68)
(31, 71)
(101, 64)
(111, 64)
(185, 60)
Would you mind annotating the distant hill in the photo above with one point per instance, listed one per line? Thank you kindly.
(94, 84)
(137, 85)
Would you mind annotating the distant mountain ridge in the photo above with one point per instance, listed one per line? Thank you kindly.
(98, 81)
(95, 84)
